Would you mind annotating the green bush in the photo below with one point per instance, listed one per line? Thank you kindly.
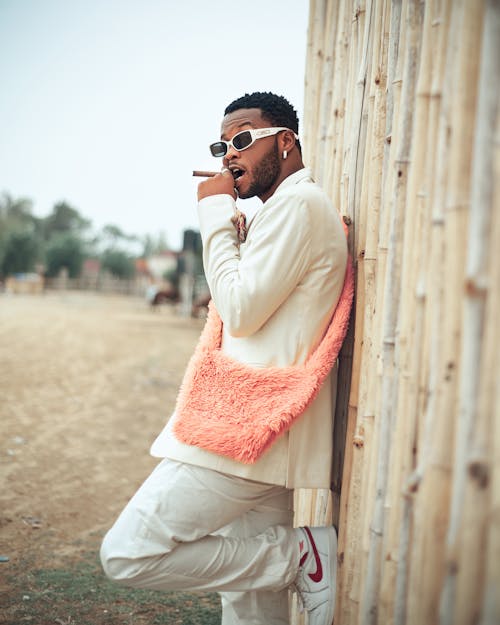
(119, 263)
(20, 252)
(65, 250)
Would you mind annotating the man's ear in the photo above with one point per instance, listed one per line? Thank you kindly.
(287, 140)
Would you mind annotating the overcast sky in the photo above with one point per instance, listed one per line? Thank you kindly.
(110, 104)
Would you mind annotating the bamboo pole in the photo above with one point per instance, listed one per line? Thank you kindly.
(343, 384)
(325, 96)
(305, 499)
(390, 318)
(334, 139)
(367, 431)
(409, 341)
(468, 515)
(349, 574)
(323, 20)
(369, 206)
(313, 78)
(315, 507)
(425, 520)
(417, 368)
(434, 493)
(333, 150)
(490, 391)
(432, 244)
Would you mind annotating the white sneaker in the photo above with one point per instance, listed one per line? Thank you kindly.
(316, 580)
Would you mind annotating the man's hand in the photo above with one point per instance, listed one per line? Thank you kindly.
(221, 183)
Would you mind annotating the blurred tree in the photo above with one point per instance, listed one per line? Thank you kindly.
(148, 246)
(65, 243)
(20, 241)
(119, 263)
(112, 235)
(21, 250)
(154, 245)
(162, 243)
(65, 218)
(15, 212)
(65, 250)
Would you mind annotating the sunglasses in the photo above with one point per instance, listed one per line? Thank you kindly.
(244, 140)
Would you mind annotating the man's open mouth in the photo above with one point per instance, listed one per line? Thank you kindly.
(237, 173)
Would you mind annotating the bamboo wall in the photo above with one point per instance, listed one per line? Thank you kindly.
(402, 128)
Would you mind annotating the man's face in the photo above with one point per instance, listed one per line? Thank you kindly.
(259, 166)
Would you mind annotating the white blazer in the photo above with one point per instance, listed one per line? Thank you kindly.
(275, 294)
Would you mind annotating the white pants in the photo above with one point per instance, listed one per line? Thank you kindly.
(191, 528)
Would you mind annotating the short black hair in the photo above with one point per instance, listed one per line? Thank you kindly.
(275, 108)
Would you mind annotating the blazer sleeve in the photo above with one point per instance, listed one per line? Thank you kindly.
(248, 289)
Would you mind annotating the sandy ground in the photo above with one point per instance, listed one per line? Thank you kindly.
(86, 382)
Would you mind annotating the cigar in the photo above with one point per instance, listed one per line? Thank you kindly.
(205, 174)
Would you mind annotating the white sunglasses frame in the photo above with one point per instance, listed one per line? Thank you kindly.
(255, 133)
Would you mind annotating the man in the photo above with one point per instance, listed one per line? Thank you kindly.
(206, 521)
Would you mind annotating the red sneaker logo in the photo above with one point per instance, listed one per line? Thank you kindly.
(317, 576)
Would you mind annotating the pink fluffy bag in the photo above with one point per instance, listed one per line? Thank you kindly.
(238, 411)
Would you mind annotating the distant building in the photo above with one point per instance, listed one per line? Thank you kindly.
(141, 268)
(90, 274)
(162, 263)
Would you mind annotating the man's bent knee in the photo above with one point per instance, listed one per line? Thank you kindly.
(120, 568)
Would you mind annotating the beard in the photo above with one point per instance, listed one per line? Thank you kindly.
(265, 174)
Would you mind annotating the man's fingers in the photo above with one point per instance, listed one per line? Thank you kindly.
(222, 182)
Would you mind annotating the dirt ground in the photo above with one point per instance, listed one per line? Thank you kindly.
(86, 383)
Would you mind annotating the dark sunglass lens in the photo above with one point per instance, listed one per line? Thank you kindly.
(218, 149)
(242, 140)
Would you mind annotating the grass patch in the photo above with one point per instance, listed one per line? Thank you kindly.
(79, 594)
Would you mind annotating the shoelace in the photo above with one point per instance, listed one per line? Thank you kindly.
(300, 602)
(305, 599)
(302, 598)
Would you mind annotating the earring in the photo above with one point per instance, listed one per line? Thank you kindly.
(285, 154)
